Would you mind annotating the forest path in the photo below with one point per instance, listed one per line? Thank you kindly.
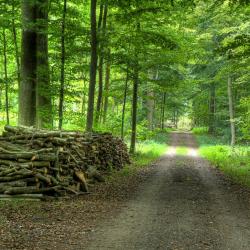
(185, 204)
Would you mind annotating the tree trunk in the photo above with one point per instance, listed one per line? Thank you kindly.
(99, 25)
(150, 109)
(106, 88)
(102, 31)
(163, 111)
(43, 92)
(16, 44)
(134, 109)
(100, 89)
(176, 118)
(211, 128)
(6, 77)
(124, 102)
(27, 95)
(93, 66)
(62, 78)
(231, 111)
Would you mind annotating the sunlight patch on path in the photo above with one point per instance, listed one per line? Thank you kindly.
(193, 152)
(171, 151)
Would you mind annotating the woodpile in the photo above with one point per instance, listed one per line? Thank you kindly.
(34, 163)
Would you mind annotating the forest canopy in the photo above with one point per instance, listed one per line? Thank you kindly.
(128, 67)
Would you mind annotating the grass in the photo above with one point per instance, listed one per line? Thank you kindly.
(181, 150)
(233, 161)
(146, 153)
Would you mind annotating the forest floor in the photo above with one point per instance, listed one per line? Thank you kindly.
(179, 202)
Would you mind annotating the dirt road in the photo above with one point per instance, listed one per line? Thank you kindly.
(178, 203)
(183, 205)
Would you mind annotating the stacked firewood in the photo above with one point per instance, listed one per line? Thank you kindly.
(41, 162)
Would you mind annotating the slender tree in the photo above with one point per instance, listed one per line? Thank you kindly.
(231, 110)
(124, 102)
(102, 32)
(6, 80)
(62, 77)
(106, 88)
(163, 111)
(14, 31)
(93, 67)
(134, 108)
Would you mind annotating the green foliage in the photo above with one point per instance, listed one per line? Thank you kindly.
(200, 130)
(147, 152)
(234, 162)
(182, 50)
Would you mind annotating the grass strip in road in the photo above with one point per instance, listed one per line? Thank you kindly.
(181, 150)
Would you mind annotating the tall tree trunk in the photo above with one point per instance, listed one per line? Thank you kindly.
(151, 102)
(106, 88)
(16, 44)
(93, 67)
(150, 109)
(6, 77)
(100, 73)
(102, 31)
(135, 95)
(124, 102)
(176, 118)
(231, 110)
(43, 91)
(163, 111)
(134, 109)
(211, 128)
(62, 77)
(100, 90)
(27, 94)
(99, 24)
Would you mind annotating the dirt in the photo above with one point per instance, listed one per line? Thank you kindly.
(180, 202)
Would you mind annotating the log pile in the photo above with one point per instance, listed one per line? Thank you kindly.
(41, 162)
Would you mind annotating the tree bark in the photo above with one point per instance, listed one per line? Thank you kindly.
(163, 111)
(62, 78)
(93, 67)
(43, 95)
(124, 102)
(6, 77)
(231, 110)
(102, 30)
(106, 88)
(16, 44)
(150, 102)
(27, 95)
(100, 90)
(134, 108)
(150, 109)
(135, 95)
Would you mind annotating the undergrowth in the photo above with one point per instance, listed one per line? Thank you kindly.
(147, 151)
(233, 161)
